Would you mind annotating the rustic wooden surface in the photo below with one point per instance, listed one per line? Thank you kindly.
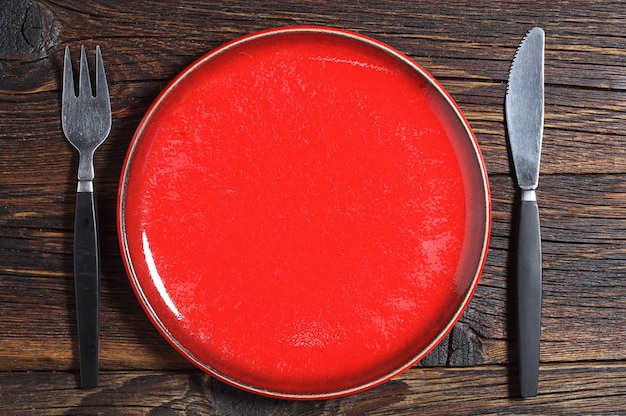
(468, 46)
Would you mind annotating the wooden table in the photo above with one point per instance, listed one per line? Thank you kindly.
(468, 47)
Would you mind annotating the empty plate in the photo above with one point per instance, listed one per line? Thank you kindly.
(304, 213)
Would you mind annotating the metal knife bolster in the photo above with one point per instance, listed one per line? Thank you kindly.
(529, 195)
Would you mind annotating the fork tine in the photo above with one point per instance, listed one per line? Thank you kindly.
(102, 90)
(84, 82)
(68, 76)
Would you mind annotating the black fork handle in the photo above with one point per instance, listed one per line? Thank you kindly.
(87, 286)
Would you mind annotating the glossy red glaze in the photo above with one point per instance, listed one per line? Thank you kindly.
(304, 213)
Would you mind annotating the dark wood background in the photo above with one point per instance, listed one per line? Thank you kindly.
(468, 47)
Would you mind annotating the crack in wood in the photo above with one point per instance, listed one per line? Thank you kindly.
(27, 29)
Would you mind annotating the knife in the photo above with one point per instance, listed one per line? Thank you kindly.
(524, 120)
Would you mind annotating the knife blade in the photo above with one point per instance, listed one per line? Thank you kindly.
(524, 109)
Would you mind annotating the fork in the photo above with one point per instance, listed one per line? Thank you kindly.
(86, 121)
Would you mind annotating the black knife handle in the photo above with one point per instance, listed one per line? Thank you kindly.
(87, 286)
(529, 297)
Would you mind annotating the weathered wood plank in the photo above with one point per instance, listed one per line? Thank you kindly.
(583, 223)
(471, 58)
(581, 389)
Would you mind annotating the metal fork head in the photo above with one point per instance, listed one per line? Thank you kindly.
(86, 118)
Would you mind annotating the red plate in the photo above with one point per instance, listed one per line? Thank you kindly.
(304, 213)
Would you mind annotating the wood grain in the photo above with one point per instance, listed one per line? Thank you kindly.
(468, 47)
(580, 220)
(581, 389)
